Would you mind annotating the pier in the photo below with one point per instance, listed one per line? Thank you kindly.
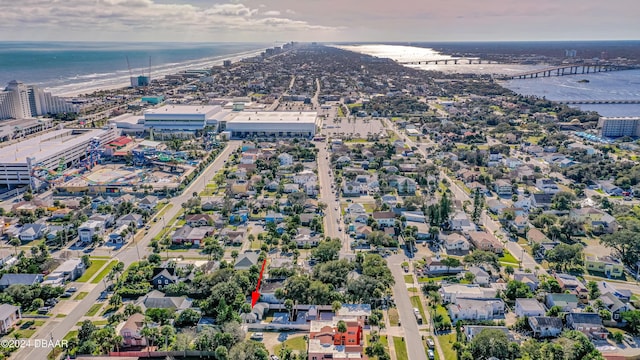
(454, 61)
(570, 70)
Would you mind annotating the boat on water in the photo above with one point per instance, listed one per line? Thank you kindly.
(583, 81)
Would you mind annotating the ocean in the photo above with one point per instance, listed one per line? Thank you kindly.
(619, 85)
(75, 67)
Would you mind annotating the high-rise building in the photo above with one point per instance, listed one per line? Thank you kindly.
(20, 101)
(620, 126)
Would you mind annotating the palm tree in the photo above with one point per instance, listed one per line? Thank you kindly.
(15, 242)
(342, 328)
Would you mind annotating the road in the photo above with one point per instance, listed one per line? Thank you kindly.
(412, 337)
(332, 216)
(57, 328)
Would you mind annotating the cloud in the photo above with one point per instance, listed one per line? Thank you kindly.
(141, 18)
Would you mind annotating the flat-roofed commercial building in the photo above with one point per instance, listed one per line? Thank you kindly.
(17, 161)
(280, 124)
(619, 126)
(182, 120)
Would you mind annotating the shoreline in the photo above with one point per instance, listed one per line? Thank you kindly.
(176, 69)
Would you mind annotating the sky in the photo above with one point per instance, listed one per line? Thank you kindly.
(318, 20)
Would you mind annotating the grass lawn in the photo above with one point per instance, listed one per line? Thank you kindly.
(408, 279)
(383, 340)
(100, 322)
(60, 316)
(92, 270)
(94, 309)
(71, 334)
(424, 279)
(394, 318)
(28, 328)
(415, 301)
(446, 343)
(443, 311)
(294, 343)
(401, 348)
(104, 272)
(164, 210)
(507, 257)
(81, 295)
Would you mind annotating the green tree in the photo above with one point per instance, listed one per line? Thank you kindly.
(491, 343)
(478, 205)
(517, 289)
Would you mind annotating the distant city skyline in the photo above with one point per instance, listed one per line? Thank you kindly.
(315, 20)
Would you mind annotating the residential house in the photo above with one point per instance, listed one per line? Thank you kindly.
(542, 201)
(456, 243)
(19, 279)
(285, 159)
(88, 229)
(607, 265)
(233, 237)
(325, 342)
(595, 219)
(131, 329)
(361, 312)
(30, 232)
(535, 236)
(246, 260)
(616, 307)
(531, 280)
(162, 277)
(503, 187)
(268, 291)
(610, 188)
(384, 218)
(566, 302)
(483, 240)
(476, 186)
(545, 326)
(407, 186)
(389, 199)
(148, 202)
(107, 219)
(304, 177)
(197, 220)
(529, 307)
(9, 316)
(67, 271)
(352, 188)
(136, 219)
(274, 217)
(450, 293)
(480, 276)
(414, 216)
(519, 224)
(307, 240)
(120, 234)
(496, 206)
(193, 235)
(434, 265)
(461, 222)
(573, 285)
(547, 186)
(476, 309)
(589, 324)
(158, 300)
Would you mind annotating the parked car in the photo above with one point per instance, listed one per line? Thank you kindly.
(430, 343)
(43, 310)
(257, 336)
(66, 295)
(72, 289)
(274, 357)
(431, 354)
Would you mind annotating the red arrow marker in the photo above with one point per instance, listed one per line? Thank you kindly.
(256, 294)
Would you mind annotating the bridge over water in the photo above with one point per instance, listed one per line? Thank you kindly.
(572, 69)
(454, 61)
(597, 102)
